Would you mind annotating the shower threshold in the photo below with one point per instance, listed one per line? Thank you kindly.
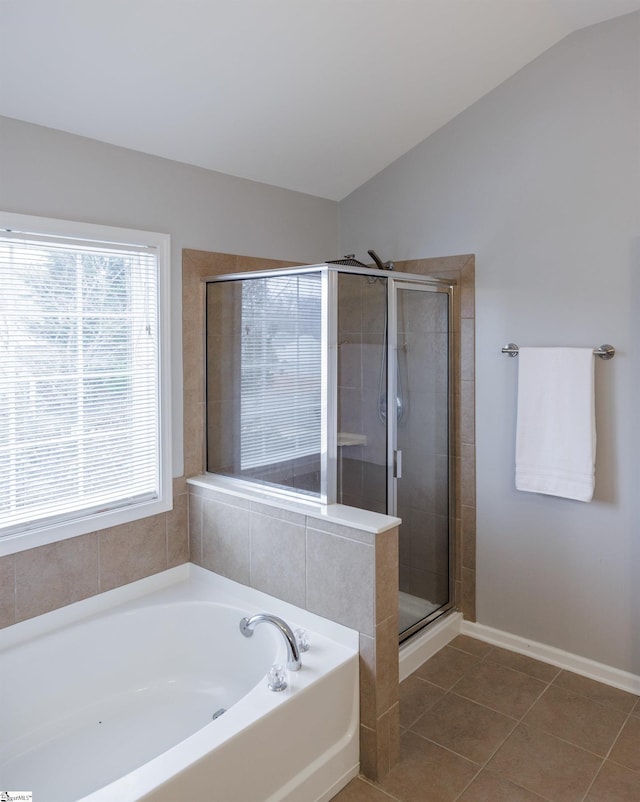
(412, 609)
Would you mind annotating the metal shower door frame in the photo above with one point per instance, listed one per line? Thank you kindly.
(394, 457)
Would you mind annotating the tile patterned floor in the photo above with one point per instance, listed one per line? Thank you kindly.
(482, 724)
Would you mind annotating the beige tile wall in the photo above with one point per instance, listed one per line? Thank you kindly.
(38, 580)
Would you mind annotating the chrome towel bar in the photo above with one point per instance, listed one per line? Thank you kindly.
(604, 351)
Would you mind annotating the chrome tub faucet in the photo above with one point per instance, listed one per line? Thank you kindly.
(247, 625)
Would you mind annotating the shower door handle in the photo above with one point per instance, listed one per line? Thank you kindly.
(397, 464)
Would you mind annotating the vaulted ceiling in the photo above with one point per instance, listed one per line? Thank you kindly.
(311, 95)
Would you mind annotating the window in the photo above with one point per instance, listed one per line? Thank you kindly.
(84, 440)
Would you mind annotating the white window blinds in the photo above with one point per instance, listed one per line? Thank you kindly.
(79, 378)
(280, 406)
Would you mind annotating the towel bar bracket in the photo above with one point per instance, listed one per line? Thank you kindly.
(605, 351)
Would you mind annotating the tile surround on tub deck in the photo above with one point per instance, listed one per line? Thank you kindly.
(40, 579)
(336, 514)
(336, 562)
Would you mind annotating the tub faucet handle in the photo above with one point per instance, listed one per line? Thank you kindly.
(302, 639)
(277, 678)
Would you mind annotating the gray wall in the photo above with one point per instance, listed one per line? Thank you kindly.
(541, 180)
(52, 174)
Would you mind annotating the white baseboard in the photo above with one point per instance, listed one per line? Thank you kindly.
(425, 644)
(557, 657)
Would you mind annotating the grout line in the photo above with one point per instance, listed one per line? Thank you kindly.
(585, 695)
(618, 734)
(572, 743)
(515, 719)
(535, 701)
(501, 712)
(526, 673)
(622, 766)
(595, 777)
(486, 658)
(563, 740)
(506, 779)
(483, 764)
(375, 785)
(472, 780)
(449, 750)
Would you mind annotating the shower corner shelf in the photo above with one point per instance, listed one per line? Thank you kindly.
(348, 439)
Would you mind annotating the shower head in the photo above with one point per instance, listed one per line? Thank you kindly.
(348, 260)
(381, 265)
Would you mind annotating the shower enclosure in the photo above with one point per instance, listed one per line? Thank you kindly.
(332, 384)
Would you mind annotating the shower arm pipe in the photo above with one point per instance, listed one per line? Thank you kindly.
(605, 351)
(380, 264)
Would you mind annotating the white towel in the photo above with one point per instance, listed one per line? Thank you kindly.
(556, 432)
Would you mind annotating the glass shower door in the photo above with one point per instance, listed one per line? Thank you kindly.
(419, 476)
(361, 390)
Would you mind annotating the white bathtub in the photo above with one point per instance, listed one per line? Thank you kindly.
(112, 699)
